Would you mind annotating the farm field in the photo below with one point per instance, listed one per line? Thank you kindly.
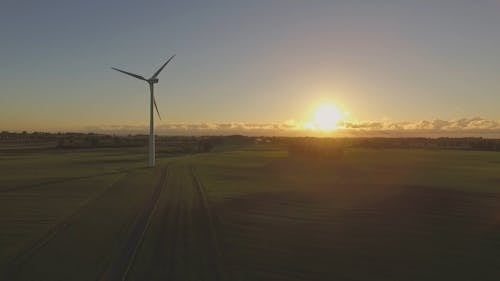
(250, 213)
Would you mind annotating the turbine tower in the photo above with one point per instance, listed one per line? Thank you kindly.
(151, 81)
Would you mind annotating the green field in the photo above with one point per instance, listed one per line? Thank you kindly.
(250, 213)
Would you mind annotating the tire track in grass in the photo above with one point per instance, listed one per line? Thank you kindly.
(166, 246)
(209, 216)
(176, 258)
(164, 237)
(16, 261)
(181, 243)
(119, 268)
(160, 189)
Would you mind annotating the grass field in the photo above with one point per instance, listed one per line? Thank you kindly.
(250, 213)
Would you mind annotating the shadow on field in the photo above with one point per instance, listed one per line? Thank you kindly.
(353, 232)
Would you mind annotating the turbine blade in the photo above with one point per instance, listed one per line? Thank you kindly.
(161, 68)
(154, 101)
(131, 74)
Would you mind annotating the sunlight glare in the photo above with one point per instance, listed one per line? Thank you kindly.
(326, 117)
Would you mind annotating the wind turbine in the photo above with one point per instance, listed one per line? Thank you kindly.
(151, 81)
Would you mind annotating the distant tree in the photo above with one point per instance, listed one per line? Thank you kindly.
(94, 142)
(205, 146)
(60, 143)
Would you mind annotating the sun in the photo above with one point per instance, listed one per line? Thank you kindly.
(326, 117)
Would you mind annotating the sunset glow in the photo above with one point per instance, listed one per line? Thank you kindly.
(252, 67)
(326, 117)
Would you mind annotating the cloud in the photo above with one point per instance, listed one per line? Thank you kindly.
(425, 128)
(429, 128)
(364, 125)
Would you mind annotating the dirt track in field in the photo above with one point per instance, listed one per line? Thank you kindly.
(181, 243)
(119, 267)
(174, 238)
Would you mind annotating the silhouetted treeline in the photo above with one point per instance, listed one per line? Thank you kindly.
(429, 143)
(194, 144)
(175, 144)
(405, 143)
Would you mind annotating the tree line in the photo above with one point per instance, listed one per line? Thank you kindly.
(297, 145)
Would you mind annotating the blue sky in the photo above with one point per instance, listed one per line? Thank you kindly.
(247, 61)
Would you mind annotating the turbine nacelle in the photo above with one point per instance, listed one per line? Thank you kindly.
(153, 80)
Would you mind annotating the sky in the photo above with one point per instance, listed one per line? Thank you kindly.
(387, 65)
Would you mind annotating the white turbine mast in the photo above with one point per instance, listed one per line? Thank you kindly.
(151, 81)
